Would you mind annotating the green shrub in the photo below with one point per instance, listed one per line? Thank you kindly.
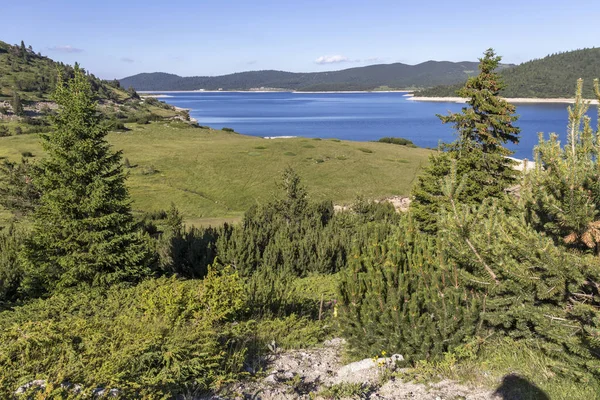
(365, 150)
(396, 140)
(228, 129)
(149, 170)
(347, 390)
(163, 337)
(188, 252)
(26, 154)
(4, 131)
(143, 119)
(153, 101)
(400, 296)
(39, 129)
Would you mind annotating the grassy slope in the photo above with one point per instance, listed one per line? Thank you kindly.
(213, 176)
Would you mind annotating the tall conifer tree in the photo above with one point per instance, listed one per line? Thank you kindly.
(483, 127)
(83, 227)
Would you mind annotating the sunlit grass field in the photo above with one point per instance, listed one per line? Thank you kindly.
(214, 176)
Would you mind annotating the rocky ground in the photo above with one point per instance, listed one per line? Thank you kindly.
(320, 374)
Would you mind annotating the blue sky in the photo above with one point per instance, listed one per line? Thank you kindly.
(114, 39)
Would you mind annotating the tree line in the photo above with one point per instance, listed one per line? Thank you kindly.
(548, 77)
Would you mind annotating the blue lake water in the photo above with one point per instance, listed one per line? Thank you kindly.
(354, 116)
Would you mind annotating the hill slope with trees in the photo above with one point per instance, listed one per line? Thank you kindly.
(553, 76)
(27, 80)
(397, 75)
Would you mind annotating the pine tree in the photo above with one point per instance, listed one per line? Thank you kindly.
(562, 193)
(401, 295)
(483, 128)
(532, 288)
(83, 228)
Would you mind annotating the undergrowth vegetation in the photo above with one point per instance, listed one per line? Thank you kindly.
(499, 289)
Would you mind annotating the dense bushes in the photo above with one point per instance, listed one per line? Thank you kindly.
(400, 295)
(290, 234)
(533, 289)
(161, 337)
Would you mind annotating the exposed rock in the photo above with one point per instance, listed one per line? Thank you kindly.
(302, 374)
(39, 383)
(400, 204)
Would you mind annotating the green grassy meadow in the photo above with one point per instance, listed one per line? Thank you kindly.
(214, 176)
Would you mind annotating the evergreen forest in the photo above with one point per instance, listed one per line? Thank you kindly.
(473, 279)
(548, 77)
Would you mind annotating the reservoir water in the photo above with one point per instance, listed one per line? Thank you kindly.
(354, 116)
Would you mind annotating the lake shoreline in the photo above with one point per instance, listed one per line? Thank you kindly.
(407, 93)
(533, 100)
(157, 93)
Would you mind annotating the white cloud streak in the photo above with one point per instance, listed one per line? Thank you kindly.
(332, 59)
(65, 49)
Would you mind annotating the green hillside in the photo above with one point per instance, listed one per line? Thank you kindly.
(372, 77)
(27, 79)
(214, 175)
(553, 76)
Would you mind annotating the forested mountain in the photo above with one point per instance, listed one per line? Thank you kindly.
(553, 76)
(27, 80)
(397, 75)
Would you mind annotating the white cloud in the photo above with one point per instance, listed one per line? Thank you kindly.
(251, 62)
(127, 59)
(65, 49)
(373, 60)
(332, 59)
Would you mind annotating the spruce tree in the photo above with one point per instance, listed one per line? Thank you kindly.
(83, 228)
(483, 127)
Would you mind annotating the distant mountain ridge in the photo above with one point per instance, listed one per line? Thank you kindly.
(553, 76)
(372, 77)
